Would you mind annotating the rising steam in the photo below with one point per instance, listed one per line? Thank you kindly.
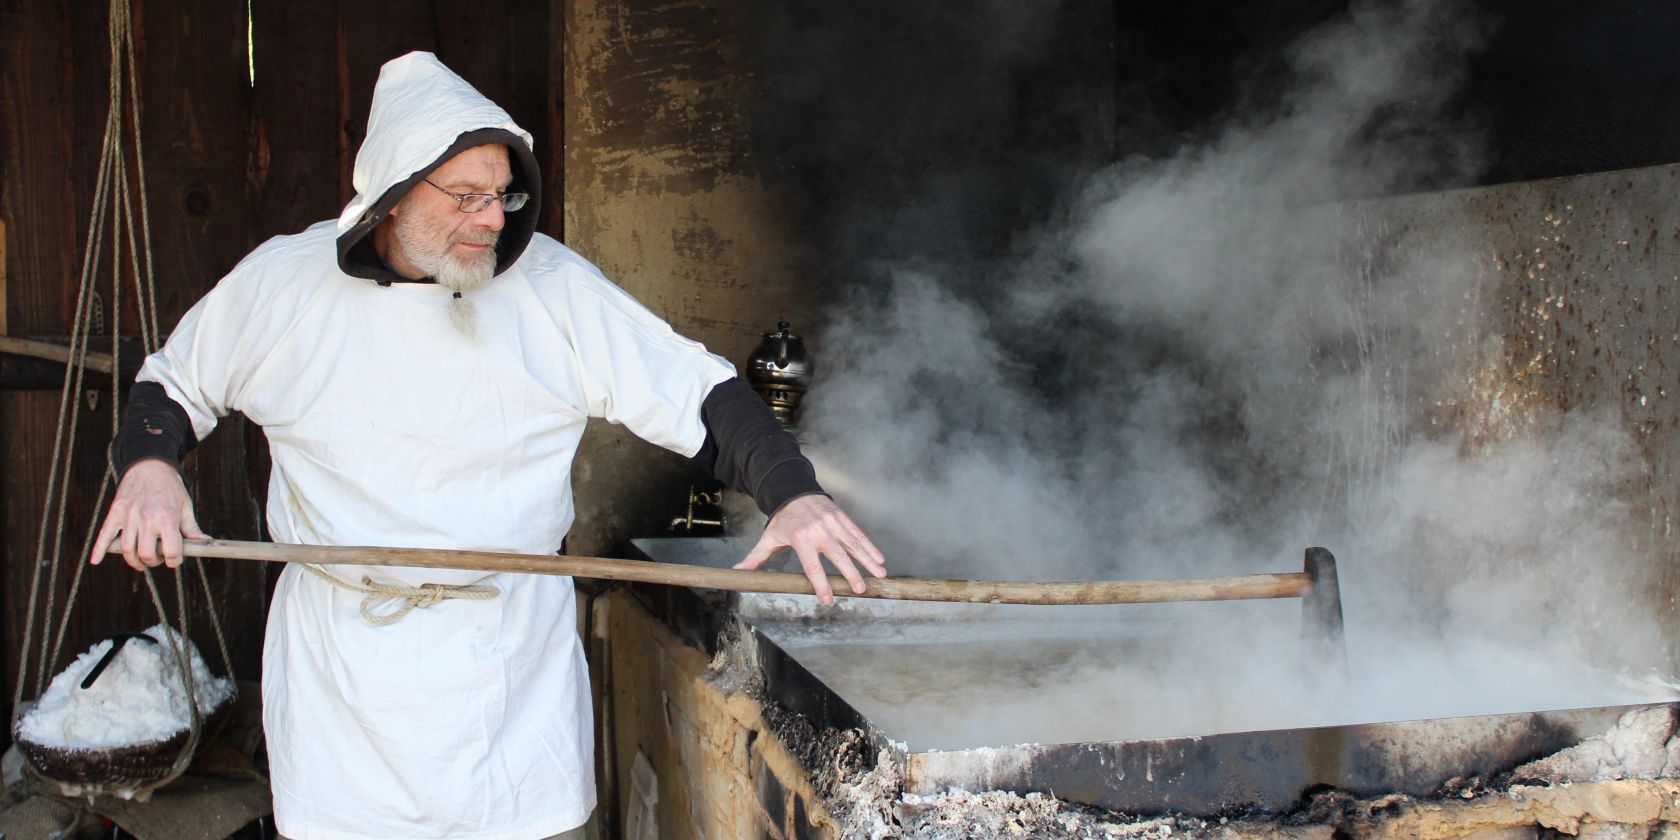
(1217, 358)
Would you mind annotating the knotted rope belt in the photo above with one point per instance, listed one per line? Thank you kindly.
(409, 597)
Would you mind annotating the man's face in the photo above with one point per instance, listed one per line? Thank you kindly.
(433, 235)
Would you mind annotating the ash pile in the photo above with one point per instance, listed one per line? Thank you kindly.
(1624, 783)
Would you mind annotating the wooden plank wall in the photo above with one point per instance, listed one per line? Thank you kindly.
(229, 162)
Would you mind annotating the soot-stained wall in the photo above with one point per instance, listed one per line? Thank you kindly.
(1568, 88)
(1555, 88)
(733, 165)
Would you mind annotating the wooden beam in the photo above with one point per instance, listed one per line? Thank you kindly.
(52, 352)
(36, 363)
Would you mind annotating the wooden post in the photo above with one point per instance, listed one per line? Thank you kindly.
(3, 305)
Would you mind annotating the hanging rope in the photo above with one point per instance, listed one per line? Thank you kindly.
(112, 199)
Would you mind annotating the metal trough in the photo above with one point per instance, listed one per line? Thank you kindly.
(902, 672)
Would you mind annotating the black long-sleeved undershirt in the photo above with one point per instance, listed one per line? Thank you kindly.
(153, 426)
(745, 447)
(748, 450)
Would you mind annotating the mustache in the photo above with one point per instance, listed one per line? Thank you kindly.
(482, 238)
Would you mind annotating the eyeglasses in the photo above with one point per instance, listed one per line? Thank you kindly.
(474, 202)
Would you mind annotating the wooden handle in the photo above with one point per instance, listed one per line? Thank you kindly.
(1286, 585)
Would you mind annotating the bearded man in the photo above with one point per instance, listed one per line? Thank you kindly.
(423, 369)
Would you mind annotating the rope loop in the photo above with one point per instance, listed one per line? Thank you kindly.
(407, 598)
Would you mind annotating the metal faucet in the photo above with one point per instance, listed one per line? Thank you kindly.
(687, 521)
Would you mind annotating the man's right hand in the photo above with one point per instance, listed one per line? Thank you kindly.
(153, 513)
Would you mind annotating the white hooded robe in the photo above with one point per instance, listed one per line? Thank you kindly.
(390, 427)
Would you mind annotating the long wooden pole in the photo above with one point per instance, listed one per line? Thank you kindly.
(1248, 587)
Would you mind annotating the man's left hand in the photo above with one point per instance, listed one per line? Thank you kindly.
(815, 527)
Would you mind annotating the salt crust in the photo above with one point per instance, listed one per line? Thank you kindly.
(1642, 745)
(138, 699)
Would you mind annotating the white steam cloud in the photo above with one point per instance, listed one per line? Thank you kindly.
(1220, 358)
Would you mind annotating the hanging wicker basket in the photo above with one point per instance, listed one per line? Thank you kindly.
(127, 772)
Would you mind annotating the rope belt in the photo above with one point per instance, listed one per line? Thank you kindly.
(409, 597)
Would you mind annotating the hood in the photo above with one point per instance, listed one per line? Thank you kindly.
(423, 115)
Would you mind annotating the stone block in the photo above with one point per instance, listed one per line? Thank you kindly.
(1613, 831)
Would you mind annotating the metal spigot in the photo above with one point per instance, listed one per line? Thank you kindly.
(687, 521)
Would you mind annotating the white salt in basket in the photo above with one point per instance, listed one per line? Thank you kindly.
(118, 722)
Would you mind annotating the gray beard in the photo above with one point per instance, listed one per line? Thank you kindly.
(463, 316)
(460, 275)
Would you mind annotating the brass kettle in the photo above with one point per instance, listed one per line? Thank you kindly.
(780, 371)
